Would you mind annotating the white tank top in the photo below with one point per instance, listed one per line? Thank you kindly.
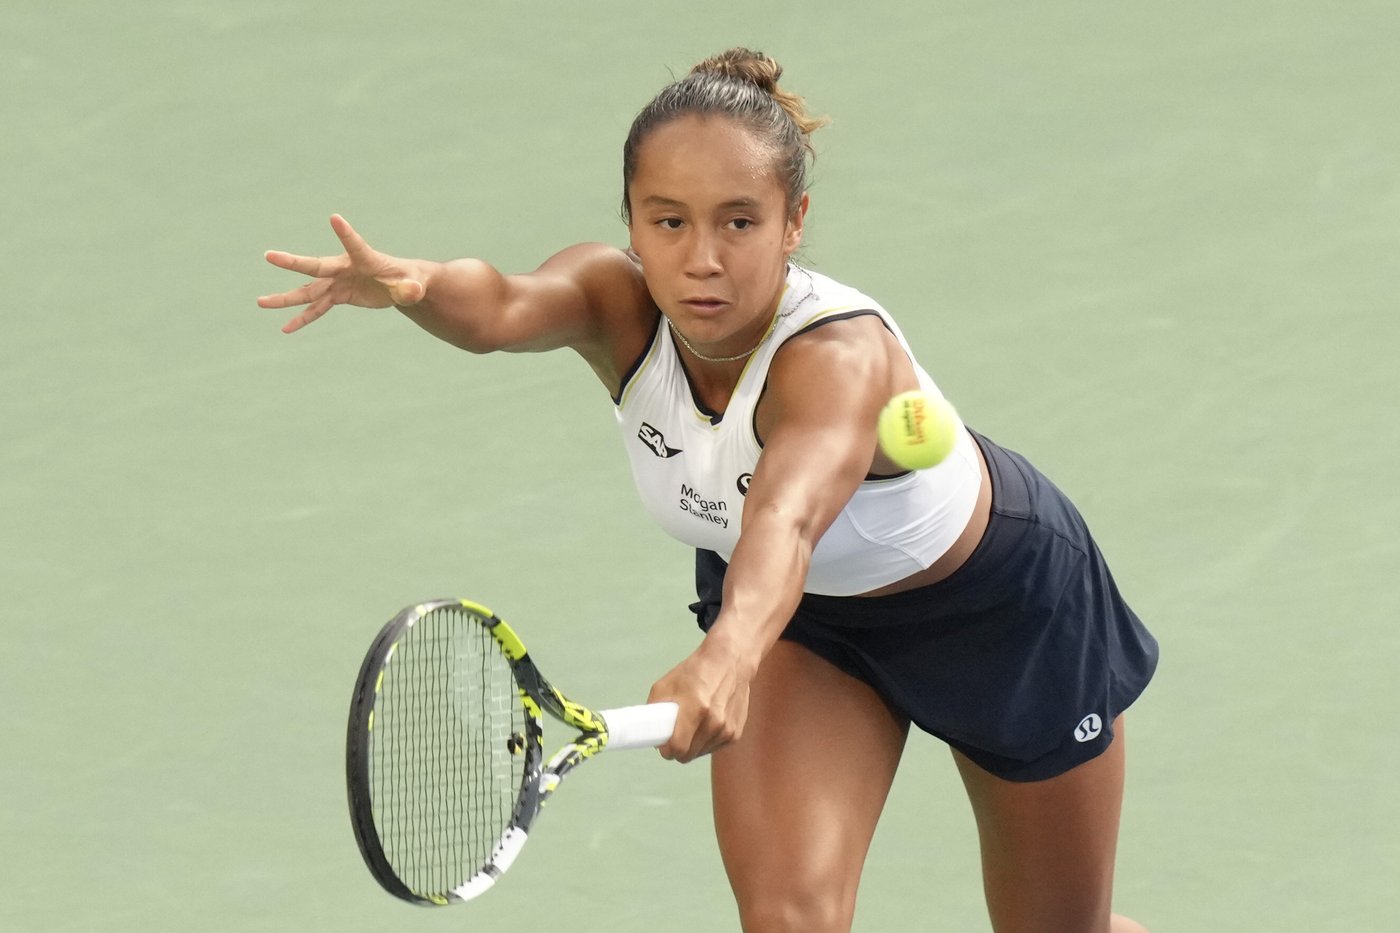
(692, 467)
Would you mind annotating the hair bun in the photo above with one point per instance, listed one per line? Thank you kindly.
(763, 72)
(745, 65)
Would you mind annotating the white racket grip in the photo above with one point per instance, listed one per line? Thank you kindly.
(645, 726)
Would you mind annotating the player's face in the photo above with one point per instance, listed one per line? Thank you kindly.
(711, 225)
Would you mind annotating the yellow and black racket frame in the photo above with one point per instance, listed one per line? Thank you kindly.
(539, 779)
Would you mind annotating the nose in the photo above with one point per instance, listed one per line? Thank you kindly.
(703, 259)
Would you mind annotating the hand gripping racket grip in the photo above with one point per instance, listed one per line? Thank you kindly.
(645, 726)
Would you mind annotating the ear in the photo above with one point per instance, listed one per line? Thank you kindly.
(792, 238)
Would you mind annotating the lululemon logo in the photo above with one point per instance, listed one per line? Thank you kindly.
(1089, 728)
(743, 483)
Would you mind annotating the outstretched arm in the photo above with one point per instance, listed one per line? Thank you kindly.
(467, 302)
(819, 443)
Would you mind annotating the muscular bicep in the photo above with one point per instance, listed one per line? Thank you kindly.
(590, 298)
(817, 421)
(569, 301)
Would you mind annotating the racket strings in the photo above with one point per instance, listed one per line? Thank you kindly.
(444, 772)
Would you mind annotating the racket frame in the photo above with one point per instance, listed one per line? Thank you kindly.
(539, 780)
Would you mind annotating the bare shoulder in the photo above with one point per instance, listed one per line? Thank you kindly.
(605, 273)
(609, 282)
(834, 378)
(862, 349)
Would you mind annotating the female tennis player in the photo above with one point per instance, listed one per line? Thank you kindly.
(842, 599)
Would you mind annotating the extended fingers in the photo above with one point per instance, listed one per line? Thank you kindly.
(315, 266)
(356, 252)
(308, 314)
(356, 248)
(318, 295)
(304, 294)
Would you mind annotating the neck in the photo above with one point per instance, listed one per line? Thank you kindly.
(718, 359)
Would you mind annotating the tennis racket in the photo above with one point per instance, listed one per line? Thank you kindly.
(444, 755)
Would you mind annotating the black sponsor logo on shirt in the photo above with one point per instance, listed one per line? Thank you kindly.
(715, 511)
(656, 441)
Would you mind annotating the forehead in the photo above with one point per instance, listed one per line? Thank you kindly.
(693, 157)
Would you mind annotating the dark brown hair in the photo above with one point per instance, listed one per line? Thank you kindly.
(743, 85)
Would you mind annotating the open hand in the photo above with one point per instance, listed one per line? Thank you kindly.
(360, 276)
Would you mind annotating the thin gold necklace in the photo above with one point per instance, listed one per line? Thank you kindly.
(721, 359)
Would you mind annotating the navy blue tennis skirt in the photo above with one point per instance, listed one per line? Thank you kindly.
(1021, 659)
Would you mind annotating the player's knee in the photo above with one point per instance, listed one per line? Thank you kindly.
(813, 912)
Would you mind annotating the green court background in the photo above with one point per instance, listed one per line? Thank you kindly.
(1156, 247)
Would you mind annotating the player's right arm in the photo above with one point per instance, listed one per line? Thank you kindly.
(467, 302)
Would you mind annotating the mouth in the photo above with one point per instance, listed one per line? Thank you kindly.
(705, 304)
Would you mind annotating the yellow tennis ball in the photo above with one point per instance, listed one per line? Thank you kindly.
(917, 429)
